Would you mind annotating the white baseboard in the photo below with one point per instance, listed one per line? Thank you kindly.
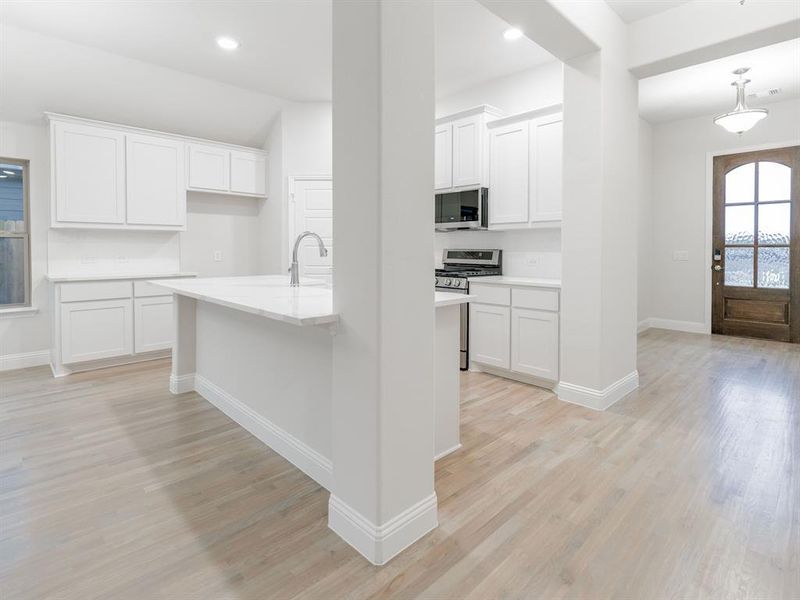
(685, 326)
(598, 399)
(302, 456)
(23, 360)
(447, 452)
(644, 325)
(181, 383)
(379, 544)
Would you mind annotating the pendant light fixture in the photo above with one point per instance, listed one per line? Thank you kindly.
(741, 118)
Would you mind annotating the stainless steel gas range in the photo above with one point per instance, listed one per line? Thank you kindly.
(457, 267)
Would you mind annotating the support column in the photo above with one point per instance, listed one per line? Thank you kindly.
(383, 382)
(184, 345)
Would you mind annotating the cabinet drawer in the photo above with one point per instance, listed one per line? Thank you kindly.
(490, 294)
(95, 290)
(144, 289)
(535, 298)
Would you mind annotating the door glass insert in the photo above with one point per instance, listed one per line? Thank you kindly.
(773, 268)
(740, 224)
(739, 267)
(774, 182)
(773, 224)
(740, 184)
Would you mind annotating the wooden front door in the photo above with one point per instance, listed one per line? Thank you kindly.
(756, 262)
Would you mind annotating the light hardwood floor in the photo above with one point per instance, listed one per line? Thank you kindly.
(687, 488)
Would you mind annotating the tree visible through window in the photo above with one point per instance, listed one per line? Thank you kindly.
(14, 234)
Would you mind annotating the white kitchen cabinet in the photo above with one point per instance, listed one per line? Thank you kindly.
(526, 157)
(489, 334)
(468, 151)
(155, 181)
(248, 173)
(209, 167)
(510, 191)
(89, 174)
(546, 168)
(153, 329)
(461, 149)
(443, 157)
(534, 343)
(92, 330)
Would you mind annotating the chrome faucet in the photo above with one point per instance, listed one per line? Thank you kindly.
(294, 270)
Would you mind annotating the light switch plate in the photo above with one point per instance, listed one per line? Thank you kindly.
(680, 255)
(217, 255)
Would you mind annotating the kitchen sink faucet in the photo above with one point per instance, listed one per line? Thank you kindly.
(294, 269)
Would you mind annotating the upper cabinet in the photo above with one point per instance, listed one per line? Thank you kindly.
(460, 149)
(89, 164)
(526, 160)
(118, 177)
(155, 181)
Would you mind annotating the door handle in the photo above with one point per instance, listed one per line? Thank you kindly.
(717, 267)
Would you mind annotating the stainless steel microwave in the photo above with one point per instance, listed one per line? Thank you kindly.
(466, 209)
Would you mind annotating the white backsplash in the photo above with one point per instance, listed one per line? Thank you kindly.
(91, 252)
(526, 253)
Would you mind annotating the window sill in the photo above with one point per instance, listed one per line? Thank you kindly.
(18, 311)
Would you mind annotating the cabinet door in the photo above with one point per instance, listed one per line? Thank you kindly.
(509, 197)
(209, 167)
(546, 168)
(248, 173)
(156, 181)
(467, 138)
(443, 157)
(534, 343)
(153, 323)
(489, 334)
(89, 174)
(96, 329)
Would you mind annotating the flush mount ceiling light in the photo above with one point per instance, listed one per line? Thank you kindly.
(227, 43)
(741, 118)
(9, 172)
(512, 33)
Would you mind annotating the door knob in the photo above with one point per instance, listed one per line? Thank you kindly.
(718, 267)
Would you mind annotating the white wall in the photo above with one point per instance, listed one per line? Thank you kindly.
(530, 253)
(645, 220)
(300, 143)
(30, 333)
(680, 161)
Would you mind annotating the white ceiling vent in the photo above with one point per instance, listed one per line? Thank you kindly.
(765, 93)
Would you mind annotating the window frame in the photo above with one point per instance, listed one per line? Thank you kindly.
(26, 236)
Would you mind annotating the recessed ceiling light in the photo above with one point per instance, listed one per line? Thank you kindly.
(227, 43)
(512, 33)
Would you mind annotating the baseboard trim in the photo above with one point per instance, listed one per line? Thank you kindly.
(644, 325)
(521, 377)
(61, 370)
(181, 384)
(302, 456)
(598, 399)
(672, 325)
(379, 544)
(447, 452)
(23, 360)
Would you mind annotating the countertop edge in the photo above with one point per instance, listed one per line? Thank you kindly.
(519, 281)
(119, 277)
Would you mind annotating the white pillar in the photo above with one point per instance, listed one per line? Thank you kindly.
(383, 382)
(184, 345)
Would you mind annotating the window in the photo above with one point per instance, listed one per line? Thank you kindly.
(15, 243)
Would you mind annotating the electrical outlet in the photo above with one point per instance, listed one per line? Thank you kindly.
(88, 260)
(122, 260)
(217, 255)
(680, 255)
(532, 261)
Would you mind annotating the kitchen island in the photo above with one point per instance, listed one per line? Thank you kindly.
(262, 351)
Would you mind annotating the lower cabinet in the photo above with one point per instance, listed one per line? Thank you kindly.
(515, 329)
(489, 334)
(96, 329)
(153, 323)
(534, 342)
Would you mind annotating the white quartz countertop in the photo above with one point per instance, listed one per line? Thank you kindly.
(518, 281)
(268, 296)
(451, 299)
(117, 276)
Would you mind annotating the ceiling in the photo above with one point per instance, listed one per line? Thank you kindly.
(633, 10)
(705, 89)
(285, 44)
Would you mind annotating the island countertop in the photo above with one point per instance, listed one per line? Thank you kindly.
(271, 296)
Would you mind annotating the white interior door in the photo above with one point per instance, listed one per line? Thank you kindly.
(313, 211)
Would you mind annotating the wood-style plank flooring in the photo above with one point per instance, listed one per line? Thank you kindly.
(688, 488)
